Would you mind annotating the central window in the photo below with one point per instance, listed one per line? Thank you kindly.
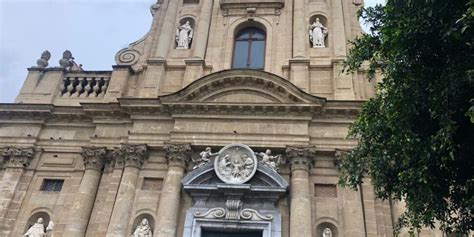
(249, 49)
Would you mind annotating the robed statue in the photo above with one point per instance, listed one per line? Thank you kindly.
(38, 230)
(184, 35)
(317, 34)
(143, 229)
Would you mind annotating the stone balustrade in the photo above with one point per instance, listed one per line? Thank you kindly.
(85, 84)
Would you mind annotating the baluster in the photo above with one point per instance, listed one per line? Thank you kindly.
(79, 87)
(96, 88)
(87, 88)
(62, 88)
(104, 87)
(70, 87)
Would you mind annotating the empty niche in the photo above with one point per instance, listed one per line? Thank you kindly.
(325, 190)
(152, 184)
(190, 1)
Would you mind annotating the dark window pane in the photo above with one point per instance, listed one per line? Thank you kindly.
(243, 35)
(240, 54)
(258, 35)
(257, 54)
(52, 185)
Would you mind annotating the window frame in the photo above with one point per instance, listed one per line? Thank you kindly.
(249, 40)
(43, 185)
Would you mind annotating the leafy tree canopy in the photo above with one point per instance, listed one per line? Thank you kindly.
(416, 136)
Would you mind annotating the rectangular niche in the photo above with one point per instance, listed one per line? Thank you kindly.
(191, 1)
(325, 190)
(152, 184)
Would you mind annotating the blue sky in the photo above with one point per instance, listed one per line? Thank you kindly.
(94, 30)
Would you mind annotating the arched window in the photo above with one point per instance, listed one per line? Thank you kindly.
(249, 49)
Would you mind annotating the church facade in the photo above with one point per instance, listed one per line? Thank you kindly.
(228, 118)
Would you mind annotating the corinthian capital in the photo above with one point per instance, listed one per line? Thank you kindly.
(178, 154)
(133, 155)
(18, 157)
(300, 157)
(94, 157)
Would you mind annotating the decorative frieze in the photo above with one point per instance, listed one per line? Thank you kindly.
(17, 157)
(300, 157)
(178, 154)
(94, 157)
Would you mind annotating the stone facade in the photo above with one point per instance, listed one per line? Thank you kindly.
(96, 152)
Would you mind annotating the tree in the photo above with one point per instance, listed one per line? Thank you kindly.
(416, 136)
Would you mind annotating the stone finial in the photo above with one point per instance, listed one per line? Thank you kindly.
(68, 62)
(300, 157)
(43, 61)
(94, 157)
(178, 154)
(18, 157)
(155, 7)
(132, 155)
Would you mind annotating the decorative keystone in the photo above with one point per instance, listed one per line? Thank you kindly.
(300, 157)
(94, 157)
(18, 157)
(178, 154)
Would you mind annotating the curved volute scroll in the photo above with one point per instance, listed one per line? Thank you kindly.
(243, 86)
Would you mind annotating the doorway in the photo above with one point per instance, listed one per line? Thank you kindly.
(211, 233)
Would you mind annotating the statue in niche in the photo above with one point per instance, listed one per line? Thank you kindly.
(269, 160)
(317, 34)
(43, 61)
(184, 35)
(204, 157)
(37, 230)
(143, 229)
(327, 232)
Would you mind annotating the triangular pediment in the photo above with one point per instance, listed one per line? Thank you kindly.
(243, 86)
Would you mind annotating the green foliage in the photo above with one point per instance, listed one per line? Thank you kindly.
(416, 136)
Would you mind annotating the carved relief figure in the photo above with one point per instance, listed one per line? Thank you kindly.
(269, 160)
(327, 232)
(204, 157)
(37, 230)
(143, 229)
(317, 34)
(184, 35)
(236, 164)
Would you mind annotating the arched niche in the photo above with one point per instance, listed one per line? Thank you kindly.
(138, 221)
(323, 225)
(324, 21)
(183, 21)
(34, 218)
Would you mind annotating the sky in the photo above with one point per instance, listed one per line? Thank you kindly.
(93, 30)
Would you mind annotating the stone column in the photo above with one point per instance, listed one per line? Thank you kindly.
(133, 157)
(178, 156)
(94, 159)
(301, 159)
(16, 160)
(300, 26)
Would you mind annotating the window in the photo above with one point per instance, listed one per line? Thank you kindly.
(325, 190)
(249, 49)
(52, 185)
